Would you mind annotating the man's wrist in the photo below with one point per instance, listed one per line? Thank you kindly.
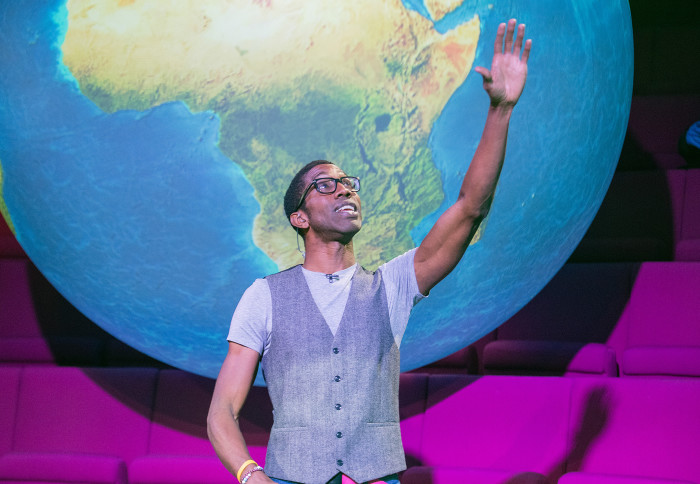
(503, 108)
(246, 466)
(250, 472)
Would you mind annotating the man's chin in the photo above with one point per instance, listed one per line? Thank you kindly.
(352, 229)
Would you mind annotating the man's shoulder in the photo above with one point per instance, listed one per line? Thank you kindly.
(282, 273)
(401, 262)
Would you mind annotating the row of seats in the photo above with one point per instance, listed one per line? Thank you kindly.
(147, 426)
(605, 319)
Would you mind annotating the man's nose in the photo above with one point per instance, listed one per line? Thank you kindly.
(342, 191)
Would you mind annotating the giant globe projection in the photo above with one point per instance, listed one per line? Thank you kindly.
(146, 146)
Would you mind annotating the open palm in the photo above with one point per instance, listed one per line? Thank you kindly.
(505, 81)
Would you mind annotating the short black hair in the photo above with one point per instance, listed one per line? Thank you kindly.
(297, 187)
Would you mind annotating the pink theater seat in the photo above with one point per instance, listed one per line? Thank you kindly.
(584, 478)
(79, 425)
(9, 391)
(179, 451)
(663, 319)
(413, 390)
(503, 423)
(688, 246)
(34, 468)
(19, 322)
(642, 428)
(572, 327)
(549, 358)
(450, 475)
(639, 219)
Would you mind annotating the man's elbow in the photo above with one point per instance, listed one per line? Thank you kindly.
(217, 421)
(212, 427)
(474, 210)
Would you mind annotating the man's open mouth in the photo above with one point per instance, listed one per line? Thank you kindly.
(346, 208)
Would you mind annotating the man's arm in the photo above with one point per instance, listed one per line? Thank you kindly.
(449, 238)
(232, 387)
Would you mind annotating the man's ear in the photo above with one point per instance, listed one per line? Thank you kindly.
(298, 220)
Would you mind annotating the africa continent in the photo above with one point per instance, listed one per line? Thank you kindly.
(359, 83)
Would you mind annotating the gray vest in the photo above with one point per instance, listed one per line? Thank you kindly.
(335, 398)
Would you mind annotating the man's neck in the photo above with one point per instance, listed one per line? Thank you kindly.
(328, 257)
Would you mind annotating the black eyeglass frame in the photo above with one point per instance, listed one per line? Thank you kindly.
(314, 184)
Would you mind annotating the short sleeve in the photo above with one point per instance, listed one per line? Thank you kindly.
(252, 320)
(402, 291)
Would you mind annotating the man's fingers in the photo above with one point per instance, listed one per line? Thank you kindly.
(509, 36)
(498, 46)
(485, 73)
(526, 50)
(505, 44)
(519, 39)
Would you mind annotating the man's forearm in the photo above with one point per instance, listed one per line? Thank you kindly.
(479, 184)
(227, 439)
(230, 392)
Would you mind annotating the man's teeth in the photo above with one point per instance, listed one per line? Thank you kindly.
(345, 208)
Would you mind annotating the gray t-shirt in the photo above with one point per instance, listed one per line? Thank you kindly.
(251, 325)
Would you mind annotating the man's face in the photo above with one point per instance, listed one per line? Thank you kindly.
(333, 216)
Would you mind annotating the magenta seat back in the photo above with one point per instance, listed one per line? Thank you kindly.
(688, 247)
(691, 215)
(664, 308)
(583, 303)
(179, 422)
(646, 427)
(97, 411)
(496, 422)
(37, 325)
(413, 389)
(452, 475)
(180, 414)
(18, 317)
(9, 390)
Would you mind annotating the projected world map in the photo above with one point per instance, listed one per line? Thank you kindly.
(145, 150)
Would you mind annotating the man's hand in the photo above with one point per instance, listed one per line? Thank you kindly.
(505, 81)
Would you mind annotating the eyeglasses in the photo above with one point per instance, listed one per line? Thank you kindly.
(329, 185)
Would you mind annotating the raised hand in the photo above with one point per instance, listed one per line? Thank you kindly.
(505, 81)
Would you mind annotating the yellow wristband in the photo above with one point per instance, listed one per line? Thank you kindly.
(245, 464)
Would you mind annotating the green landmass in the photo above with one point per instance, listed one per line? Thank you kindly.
(273, 133)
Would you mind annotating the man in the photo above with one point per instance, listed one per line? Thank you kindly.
(328, 331)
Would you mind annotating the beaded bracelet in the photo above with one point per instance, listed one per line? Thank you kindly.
(250, 473)
(243, 466)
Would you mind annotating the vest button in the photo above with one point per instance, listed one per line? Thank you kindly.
(338, 406)
(340, 463)
(336, 351)
(339, 434)
(337, 378)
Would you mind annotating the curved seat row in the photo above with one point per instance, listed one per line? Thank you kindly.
(148, 426)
